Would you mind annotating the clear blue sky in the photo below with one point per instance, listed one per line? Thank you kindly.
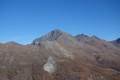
(24, 20)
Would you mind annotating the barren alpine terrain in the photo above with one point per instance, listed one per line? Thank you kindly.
(61, 56)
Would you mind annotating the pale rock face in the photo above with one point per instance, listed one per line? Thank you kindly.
(50, 65)
(66, 53)
(57, 49)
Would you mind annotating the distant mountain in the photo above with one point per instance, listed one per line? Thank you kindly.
(82, 38)
(51, 36)
(61, 56)
(55, 35)
(116, 42)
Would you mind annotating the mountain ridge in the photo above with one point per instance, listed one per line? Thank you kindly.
(60, 56)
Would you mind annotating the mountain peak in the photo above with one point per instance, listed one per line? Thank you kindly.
(55, 34)
(57, 30)
(51, 36)
(82, 37)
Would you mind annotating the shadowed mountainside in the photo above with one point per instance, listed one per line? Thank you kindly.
(60, 56)
(116, 42)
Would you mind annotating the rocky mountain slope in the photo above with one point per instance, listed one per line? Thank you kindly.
(60, 56)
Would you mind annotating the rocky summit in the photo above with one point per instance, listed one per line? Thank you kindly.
(61, 56)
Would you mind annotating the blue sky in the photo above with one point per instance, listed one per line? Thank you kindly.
(24, 20)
